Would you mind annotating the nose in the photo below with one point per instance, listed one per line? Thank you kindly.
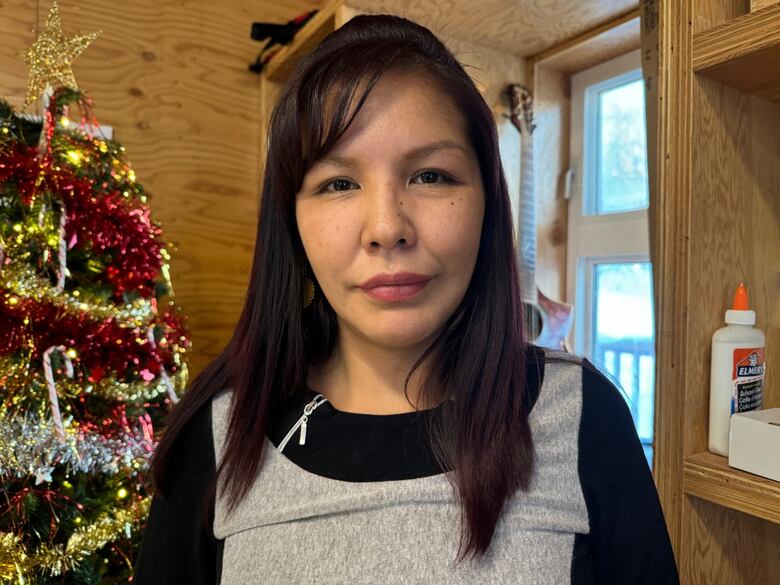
(387, 219)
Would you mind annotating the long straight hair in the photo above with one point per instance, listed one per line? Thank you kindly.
(478, 360)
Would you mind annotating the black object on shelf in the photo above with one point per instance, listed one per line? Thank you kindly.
(277, 35)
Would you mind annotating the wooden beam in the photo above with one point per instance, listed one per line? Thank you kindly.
(669, 215)
(584, 37)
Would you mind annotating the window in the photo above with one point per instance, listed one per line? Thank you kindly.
(609, 274)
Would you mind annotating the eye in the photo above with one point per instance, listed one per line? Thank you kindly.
(445, 178)
(324, 188)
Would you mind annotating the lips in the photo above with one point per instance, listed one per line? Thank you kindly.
(394, 279)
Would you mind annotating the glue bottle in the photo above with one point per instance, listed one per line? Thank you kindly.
(737, 371)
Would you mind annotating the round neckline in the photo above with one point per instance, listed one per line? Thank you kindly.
(397, 416)
(313, 476)
(354, 420)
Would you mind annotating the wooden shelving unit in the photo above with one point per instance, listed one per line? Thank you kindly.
(743, 53)
(715, 222)
(708, 476)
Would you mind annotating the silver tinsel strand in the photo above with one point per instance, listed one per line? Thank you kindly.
(30, 447)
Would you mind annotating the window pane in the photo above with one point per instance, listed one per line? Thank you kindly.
(623, 336)
(621, 170)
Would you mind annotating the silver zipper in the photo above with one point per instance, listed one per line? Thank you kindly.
(307, 410)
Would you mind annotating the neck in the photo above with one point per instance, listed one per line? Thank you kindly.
(362, 377)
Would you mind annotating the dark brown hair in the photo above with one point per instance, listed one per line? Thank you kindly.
(478, 359)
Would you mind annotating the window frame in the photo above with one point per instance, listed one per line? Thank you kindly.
(591, 82)
(608, 236)
(611, 237)
(586, 272)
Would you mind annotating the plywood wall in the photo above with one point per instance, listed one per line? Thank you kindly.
(171, 78)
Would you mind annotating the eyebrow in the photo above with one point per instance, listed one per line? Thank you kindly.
(419, 152)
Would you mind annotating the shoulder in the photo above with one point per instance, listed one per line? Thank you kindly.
(560, 390)
(596, 394)
(581, 398)
(608, 436)
(192, 453)
(606, 427)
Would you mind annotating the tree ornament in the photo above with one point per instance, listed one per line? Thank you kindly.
(51, 57)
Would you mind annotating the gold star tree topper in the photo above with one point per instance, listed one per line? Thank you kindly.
(51, 56)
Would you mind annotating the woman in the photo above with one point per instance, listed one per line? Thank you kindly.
(378, 415)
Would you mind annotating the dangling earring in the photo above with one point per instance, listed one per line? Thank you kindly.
(308, 290)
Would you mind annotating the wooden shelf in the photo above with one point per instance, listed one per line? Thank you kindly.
(306, 39)
(708, 476)
(743, 53)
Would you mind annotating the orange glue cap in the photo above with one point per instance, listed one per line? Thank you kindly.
(740, 314)
(741, 299)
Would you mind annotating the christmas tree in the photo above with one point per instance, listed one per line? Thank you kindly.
(92, 347)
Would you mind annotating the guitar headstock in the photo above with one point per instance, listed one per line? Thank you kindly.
(521, 108)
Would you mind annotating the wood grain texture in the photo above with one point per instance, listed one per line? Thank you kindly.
(759, 4)
(743, 52)
(715, 221)
(606, 42)
(305, 41)
(670, 216)
(727, 547)
(519, 27)
(552, 109)
(18, 20)
(735, 232)
(711, 13)
(772, 539)
(171, 78)
(735, 235)
(708, 476)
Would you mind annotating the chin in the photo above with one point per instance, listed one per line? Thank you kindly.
(396, 336)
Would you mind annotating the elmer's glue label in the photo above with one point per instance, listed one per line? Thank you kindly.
(737, 370)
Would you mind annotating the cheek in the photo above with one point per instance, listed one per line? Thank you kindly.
(324, 238)
(310, 227)
(457, 228)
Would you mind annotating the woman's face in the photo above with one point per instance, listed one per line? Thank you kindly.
(380, 202)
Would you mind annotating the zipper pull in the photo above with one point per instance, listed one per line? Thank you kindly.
(301, 423)
(302, 440)
(308, 409)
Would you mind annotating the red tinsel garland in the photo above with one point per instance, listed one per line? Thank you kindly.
(104, 346)
(106, 222)
(101, 222)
